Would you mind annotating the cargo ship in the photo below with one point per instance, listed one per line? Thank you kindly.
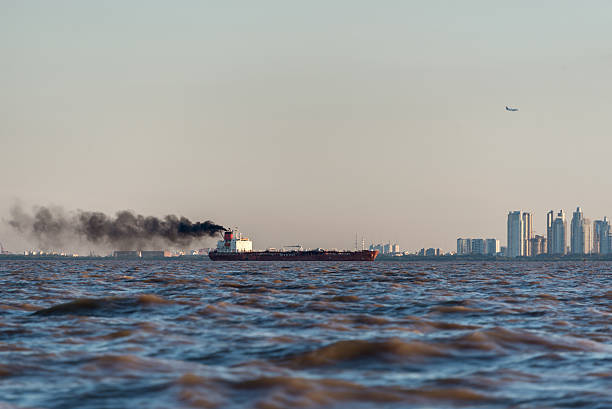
(234, 247)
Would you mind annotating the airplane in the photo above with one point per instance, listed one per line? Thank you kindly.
(511, 109)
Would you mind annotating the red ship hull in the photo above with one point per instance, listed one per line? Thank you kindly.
(314, 255)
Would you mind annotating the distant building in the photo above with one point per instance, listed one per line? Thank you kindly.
(431, 252)
(464, 246)
(596, 230)
(537, 245)
(581, 237)
(527, 226)
(550, 218)
(478, 246)
(126, 254)
(386, 248)
(588, 236)
(515, 234)
(491, 247)
(152, 254)
(601, 236)
(558, 245)
(605, 242)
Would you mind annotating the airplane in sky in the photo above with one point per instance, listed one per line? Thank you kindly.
(511, 109)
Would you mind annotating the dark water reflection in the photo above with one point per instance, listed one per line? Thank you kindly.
(305, 335)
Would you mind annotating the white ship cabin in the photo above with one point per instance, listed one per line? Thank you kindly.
(233, 242)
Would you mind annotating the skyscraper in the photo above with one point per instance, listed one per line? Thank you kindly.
(605, 244)
(581, 233)
(527, 221)
(601, 236)
(550, 218)
(587, 230)
(558, 236)
(515, 235)
(576, 233)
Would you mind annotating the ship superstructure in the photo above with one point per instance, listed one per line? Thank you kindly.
(233, 242)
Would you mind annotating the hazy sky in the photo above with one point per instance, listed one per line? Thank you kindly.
(306, 122)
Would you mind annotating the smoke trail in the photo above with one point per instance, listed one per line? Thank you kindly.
(52, 227)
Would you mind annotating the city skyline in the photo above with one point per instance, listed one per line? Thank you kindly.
(585, 236)
(527, 238)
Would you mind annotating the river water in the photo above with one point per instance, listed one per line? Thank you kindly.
(193, 334)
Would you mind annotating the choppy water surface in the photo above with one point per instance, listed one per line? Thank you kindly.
(305, 335)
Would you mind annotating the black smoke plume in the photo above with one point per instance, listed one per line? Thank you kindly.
(52, 227)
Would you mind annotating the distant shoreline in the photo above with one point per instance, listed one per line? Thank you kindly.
(542, 257)
(383, 258)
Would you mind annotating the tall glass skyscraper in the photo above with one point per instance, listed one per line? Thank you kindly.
(558, 230)
(581, 233)
(516, 238)
(527, 221)
(550, 218)
(601, 236)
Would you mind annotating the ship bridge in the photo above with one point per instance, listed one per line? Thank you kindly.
(233, 242)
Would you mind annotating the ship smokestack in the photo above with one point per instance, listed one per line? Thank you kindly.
(228, 236)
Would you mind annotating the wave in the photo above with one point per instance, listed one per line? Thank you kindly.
(463, 306)
(286, 392)
(426, 326)
(503, 340)
(449, 309)
(365, 319)
(348, 352)
(104, 306)
(394, 350)
(345, 298)
(276, 392)
(126, 363)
